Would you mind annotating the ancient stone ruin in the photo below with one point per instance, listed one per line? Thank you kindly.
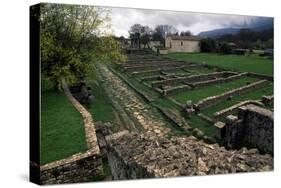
(136, 155)
(147, 143)
(253, 127)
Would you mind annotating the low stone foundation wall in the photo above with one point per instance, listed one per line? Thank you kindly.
(151, 78)
(253, 128)
(192, 78)
(268, 100)
(218, 80)
(151, 66)
(81, 167)
(230, 110)
(136, 155)
(213, 100)
(175, 90)
(147, 72)
(261, 76)
(178, 120)
(157, 70)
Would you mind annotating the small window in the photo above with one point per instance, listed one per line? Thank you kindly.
(181, 43)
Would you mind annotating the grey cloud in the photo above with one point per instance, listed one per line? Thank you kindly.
(123, 18)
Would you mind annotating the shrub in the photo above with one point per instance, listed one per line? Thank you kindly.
(208, 45)
(225, 48)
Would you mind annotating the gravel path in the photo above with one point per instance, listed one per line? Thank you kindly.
(136, 109)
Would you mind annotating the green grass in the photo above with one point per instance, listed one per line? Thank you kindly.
(196, 122)
(62, 129)
(101, 107)
(165, 103)
(140, 86)
(254, 95)
(201, 70)
(197, 94)
(252, 63)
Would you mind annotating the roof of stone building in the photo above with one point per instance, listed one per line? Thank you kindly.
(193, 38)
(184, 156)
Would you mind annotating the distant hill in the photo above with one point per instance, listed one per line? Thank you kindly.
(260, 24)
(219, 32)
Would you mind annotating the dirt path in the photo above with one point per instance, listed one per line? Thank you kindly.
(134, 107)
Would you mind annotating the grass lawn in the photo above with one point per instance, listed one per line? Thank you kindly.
(255, 95)
(197, 94)
(101, 107)
(197, 122)
(252, 63)
(62, 129)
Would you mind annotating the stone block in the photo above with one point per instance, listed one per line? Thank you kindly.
(220, 130)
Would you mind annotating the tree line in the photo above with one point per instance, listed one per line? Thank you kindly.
(244, 39)
(142, 34)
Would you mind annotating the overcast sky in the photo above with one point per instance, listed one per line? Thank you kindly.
(123, 18)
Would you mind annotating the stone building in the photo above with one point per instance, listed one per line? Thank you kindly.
(182, 44)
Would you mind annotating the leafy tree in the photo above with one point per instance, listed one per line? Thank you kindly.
(269, 43)
(208, 45)
(161, 31)
(226, 48)
(185, 33)
(72, 37)
(140, 34)
(248, 38)
(165, 30)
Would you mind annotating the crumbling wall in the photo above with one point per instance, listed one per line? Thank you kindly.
(175, 90)
(253, 128)
(259, 127)
(218, 80)
(81, 167)
(230, 110)
(213, 100)
(268, 100)
(191, 78)
(136, 155)
(261, 76)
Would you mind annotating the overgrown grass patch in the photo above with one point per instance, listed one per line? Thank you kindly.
(253, 95)
(196, 122)
(200, 93)
(252, 63)
(62, 128)
(101, 107)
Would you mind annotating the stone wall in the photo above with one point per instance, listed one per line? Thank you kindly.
(136, 155)
(81, 167)
(175, 90)
(232, 109)
(151, 78)
(253, 127)
(259, 127)
(218, 80)
(213, 100)
(153, 65)
(261, 76)
(268, 100)
(174, 118)
(182, 45)
(192, 78)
